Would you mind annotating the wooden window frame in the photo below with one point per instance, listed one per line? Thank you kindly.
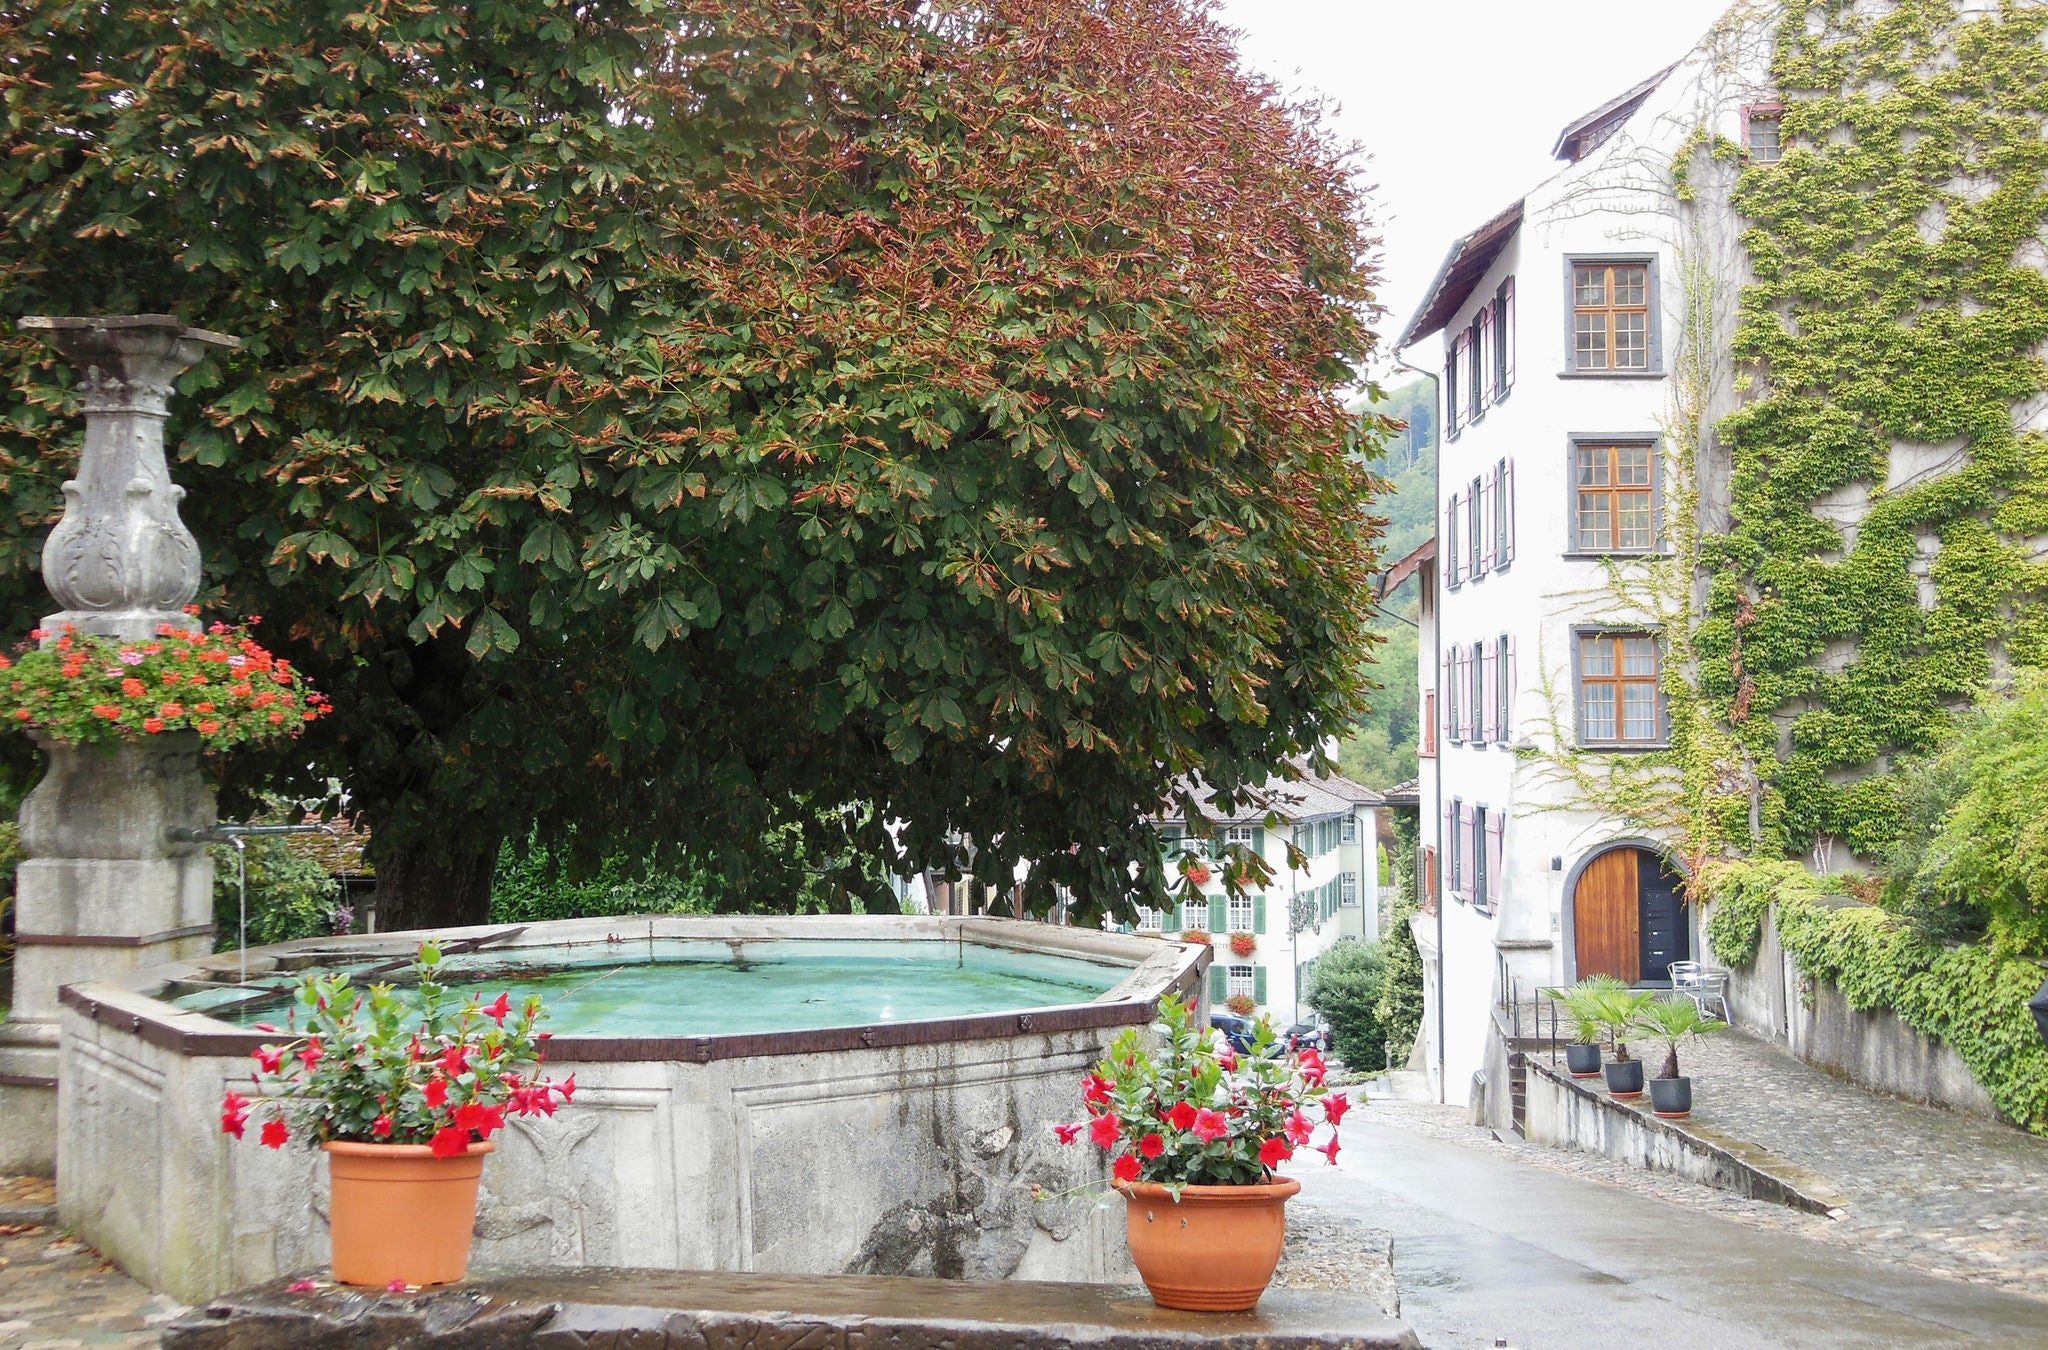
(1662, 738)
(1613, 491)
(1753, 113)
(1653, 339)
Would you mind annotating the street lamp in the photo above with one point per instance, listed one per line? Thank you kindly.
(2039, 1004)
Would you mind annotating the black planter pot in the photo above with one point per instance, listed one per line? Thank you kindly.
(1625, 1078)
(1582, 1060)
(1671, 1098)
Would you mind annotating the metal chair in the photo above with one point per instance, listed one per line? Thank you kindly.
(1702, 986)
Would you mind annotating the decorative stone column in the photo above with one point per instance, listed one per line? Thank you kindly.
(103, 889)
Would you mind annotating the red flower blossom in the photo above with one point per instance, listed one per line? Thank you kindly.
(1103, 1132)
(497, 1011)
(1210, 1125)
(134, 688)
(209, 727)
(1275, 1151)
(1095, 1088)
(1299, 1131)
(1151, 1146)
(483, 1119)
(381, 1127)
(170, 710)
(436, 1092)
(454, 1060)
(275, 1134)
(152, 725)
(1312, 1067)
(1126, 1167)
(1182, 1115)
(450, 1141)
(568, 1087)
(400, 1286)
(268, 1058)
(234, 1113)
(276, 718)
(311, 1054)
(1329, 1150)
(1334, 1107)
(1067, 1133)
(1227, 1057)
(202, 707)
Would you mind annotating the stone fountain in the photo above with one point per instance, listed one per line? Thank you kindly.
(104, 890)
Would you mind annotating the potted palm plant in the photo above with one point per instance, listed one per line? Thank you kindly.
(1616, 1010)
(1581, 1003)
(1671, 1019)
(403, 1092)
(1196, 1131)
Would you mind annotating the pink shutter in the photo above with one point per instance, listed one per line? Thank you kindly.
(1487, 507)
(1507, 506)
(1496, 835)
(1450, 550)
(1483, 340)
(1506, 334)
(1451, 847)
(1450, 687)
(1488, 684)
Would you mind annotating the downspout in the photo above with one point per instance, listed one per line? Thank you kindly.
(1436, 658)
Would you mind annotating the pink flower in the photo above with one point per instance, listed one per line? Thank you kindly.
(1329, 1150)
(497, 1011)
(397, 1286)
(1210, 1125)
(1067, 1133)
(450, 1141)
(1126, 1167)
(1299, 1131)
(274, 1134)
(1182, 1116)
(1312, 1066)
(1151, 1146)
(265, 1026)
(301, 1287)
(1275, 1151)
(1103, 1132)
(1334, 1107)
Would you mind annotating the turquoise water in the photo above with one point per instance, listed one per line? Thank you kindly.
(675, 987)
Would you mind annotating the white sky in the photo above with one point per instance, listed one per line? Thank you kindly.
(1457, 102)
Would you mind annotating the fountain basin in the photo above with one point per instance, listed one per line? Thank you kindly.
(868, 1132)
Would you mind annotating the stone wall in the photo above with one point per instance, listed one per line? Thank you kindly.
(1772, 997)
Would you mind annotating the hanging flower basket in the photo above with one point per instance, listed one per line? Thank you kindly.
(219, 683)
(1243, 944)
(1200, 935)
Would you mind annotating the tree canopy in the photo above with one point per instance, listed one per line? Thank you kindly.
(674, 422)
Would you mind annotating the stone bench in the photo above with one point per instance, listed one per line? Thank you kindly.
(690, 1310)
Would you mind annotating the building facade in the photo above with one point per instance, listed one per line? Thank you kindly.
(1576, 340)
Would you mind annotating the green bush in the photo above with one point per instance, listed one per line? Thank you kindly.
(1348, 980)
(289, 896)
(1400, 1005)
(531, 886)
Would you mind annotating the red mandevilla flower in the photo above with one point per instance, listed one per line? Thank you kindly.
(1275, 1151)
(1103, 1132)
(1182, 1115)
(1067, 1133)
(436, 1092)
(275, 1133)
(1126, 1167)
(1210, 1125)
(234, 1113)
(1334, 1107)
(1152, 1146)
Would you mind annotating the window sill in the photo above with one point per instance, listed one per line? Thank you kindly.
(1623, 748)
(1610, 374)
(1614, 556)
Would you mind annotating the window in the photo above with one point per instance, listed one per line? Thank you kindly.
(1347, 890)
(1619, 702)
(1474, 533)
(1243, 914)
(1475, 370)
(1614, 499)
(1243, 979)
(1452, 362)
(1611, 307)
(1150, 920)
(1454, 729)
(1763, 133)
(1503, 514)
(1504, 339)
(1453, 560)
(1475, 672)
(1236, 834)
(1427, 750)
(1503, 689)
(1454, 821)
(1481, 893)
(1347, 830)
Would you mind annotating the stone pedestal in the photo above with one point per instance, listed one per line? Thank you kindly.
(104, 891)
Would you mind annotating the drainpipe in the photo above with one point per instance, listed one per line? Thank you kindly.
(1436, 657)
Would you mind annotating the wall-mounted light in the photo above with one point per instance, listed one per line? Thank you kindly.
(1556, 864)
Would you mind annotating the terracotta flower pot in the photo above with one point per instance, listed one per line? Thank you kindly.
(1215, 1250)
(400, 1213)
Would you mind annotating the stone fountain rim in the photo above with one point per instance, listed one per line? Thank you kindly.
(1156, 965)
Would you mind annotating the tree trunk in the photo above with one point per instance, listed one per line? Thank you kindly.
(1670, 1061)
(436, 882)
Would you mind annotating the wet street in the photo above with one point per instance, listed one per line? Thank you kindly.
(1487, 1245)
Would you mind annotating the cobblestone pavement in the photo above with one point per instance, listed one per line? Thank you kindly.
(56, 1293)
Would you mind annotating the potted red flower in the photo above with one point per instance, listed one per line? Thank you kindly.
(403, 1091)
(1243, 944)
(1196, 1132)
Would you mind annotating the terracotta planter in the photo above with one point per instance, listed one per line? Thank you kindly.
(400, 1213)
(1215, 1250)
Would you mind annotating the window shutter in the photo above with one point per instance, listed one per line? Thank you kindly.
(1487, 665)
(1259, 840)
(1485, 344)
(1496, 834)
(1219, 914)
(1258, 914)
(1475, 671)
(1475, 405)
(1504, 334)
(1482, 493)
(1451, 845)
(1451, 391)
(1219, 986)
(1451, 555)
(1507, 714)
(1258, 984)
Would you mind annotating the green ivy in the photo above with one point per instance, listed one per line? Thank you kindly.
(1896, 298)
(1971, 998)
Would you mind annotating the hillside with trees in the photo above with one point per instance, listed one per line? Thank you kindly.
(1380, 750)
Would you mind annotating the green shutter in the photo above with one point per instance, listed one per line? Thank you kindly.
(1258, 984)
(1219, 915)
(1258, 913)
(1259, 840)
(1218, 986)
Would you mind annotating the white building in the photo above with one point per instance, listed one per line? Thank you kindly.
(1570, 327)
(1303, 911)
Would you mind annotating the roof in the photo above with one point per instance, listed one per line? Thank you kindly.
(1467, 262)
(339, 853)
(1337, 785)
(1582, 136)
(1309, 799)
(1420, 557)
(1404, 794)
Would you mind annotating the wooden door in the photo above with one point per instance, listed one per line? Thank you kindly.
(1604, 917)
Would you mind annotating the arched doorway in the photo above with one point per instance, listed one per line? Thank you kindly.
(1628, 916)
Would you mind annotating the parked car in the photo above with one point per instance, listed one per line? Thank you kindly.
(1239, 1031)
(1311, 1035)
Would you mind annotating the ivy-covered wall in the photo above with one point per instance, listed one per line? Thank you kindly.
(1884, 344)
